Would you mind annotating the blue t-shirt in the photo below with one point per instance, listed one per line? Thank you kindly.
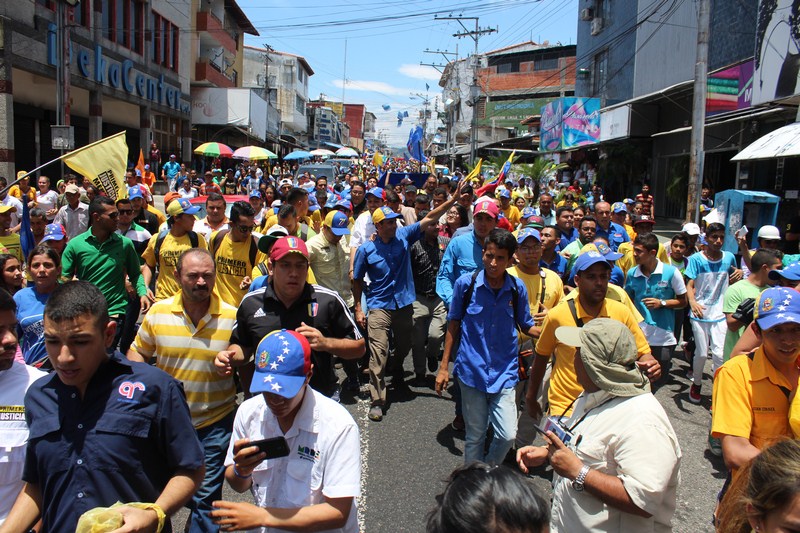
(30, 318)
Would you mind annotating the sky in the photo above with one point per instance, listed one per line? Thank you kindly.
(385, 43)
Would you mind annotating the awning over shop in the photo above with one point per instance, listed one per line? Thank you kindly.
(783, 142)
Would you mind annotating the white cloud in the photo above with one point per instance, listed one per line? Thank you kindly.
(420, 72)
(373, 86)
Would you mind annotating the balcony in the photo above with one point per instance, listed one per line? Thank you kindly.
(206, 22)
(209, 72)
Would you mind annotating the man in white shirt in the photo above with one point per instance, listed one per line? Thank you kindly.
(75, 215)
(15, 378)
(605, 477)
(313, 474)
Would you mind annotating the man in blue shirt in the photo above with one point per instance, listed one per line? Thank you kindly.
(169, 172)
(614, 233)
(486, 365)
(102, 429)
(390, 294)
(657, 290)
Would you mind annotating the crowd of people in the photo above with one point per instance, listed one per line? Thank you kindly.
(546, 308)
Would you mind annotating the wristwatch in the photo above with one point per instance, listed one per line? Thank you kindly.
(663, 303)
(578, 482)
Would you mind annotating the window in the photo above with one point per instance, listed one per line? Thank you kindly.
(600, 75)
(299, 105)
(165, 41)
(121, 19)
(80, 14)
(106, 21)
(551, 63)
(504, 68)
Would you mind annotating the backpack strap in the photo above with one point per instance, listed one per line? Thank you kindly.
(216, 242)
(159, 242)
(262, 267)
(468, 294)
(253, 251)
(574, 311)
(193, 239)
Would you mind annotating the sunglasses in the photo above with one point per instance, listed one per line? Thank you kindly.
(125, 211)
(245, 229)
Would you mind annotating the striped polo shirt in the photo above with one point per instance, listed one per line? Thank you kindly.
(187, 353)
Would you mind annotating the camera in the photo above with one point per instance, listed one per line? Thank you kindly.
(552, 424)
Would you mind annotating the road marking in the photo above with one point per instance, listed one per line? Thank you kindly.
(363, 422)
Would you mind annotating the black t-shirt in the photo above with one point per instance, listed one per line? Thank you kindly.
(261, 312)
(793, 226)
(148, 221)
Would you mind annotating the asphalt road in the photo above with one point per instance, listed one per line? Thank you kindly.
(407, 457)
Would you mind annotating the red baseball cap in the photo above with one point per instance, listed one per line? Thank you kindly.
(487, 206)
(287, 245)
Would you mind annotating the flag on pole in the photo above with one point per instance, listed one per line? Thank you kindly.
(140, 164)
(490, 186)
(103, 162)
(27, 241)
(377, 159)
(432, 166)
(414, 145)
(475, 173)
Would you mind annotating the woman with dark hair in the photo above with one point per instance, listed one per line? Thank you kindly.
(456, 217)
(12, 273)
(765, 494)
(44, 265)
(480, 498)
(269, 194)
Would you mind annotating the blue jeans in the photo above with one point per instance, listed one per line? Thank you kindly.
(215, 440)
(481, 409)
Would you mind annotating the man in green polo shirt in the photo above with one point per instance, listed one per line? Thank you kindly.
(103, 257)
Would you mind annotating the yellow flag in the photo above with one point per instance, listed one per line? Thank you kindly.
(103, 162)
(377, 159)
(432, 166)
(475, 174)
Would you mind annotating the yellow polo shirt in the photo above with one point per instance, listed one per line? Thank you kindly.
(748, 401)
(232, 260)
(171, 249)
(627, 262)
(187, 352)
(553, 291)
(564, 387)
(513, 215)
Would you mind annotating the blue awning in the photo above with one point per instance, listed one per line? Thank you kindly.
(337, 146)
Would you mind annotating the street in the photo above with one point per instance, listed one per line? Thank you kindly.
(407, 457)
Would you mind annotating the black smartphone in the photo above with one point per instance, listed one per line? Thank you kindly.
(274, 448)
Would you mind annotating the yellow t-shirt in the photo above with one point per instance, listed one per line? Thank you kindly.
(16, 192)
(747, 400)
(617, 294)
(794, 413)
(564, 385)
(171, 249)
(512, 214)
(627, 262)
(273, 219)
(553, 291)
(159, 215)
(232, 260)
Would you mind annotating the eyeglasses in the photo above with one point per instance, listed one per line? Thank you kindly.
(245, 229)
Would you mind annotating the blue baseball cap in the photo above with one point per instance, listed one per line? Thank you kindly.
(619, 207)
(505, 193)
(587, 259)
(283, 361)
(54, 232)
(344, 204)
(135, 192)
(313, 204)
(776, 306)
(603, 249)
(255, 194)
(377, 192)
(528, 212)
(791, 272)
(181, 206)
(338, 222)
(524, 233)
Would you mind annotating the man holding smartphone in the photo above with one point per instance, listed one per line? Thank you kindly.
(315, 485)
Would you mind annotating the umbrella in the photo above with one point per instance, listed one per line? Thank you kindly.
(214, 150)
(253, 153)
(322, 152)
(783, 142)
(297, 154)
(346, 152)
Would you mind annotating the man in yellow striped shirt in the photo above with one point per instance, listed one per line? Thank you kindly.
(184, 333)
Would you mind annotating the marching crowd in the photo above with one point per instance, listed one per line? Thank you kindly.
(540, 308)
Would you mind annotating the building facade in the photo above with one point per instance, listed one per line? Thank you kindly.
(128, 72)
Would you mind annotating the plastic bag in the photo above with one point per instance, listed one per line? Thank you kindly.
(105, 519)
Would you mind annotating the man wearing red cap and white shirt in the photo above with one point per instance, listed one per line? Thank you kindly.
(288, 301)
(313, 477)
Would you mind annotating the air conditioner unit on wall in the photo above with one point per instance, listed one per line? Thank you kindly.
(597, 25)
(587, 13)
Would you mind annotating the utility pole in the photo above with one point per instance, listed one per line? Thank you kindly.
(474, 88)
(267, 61)
(697, 154)
(444, 53)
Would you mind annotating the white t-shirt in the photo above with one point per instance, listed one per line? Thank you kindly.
(191, 193)
(47, 201)
(324, 458)
(14, 382)
(15, 215)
